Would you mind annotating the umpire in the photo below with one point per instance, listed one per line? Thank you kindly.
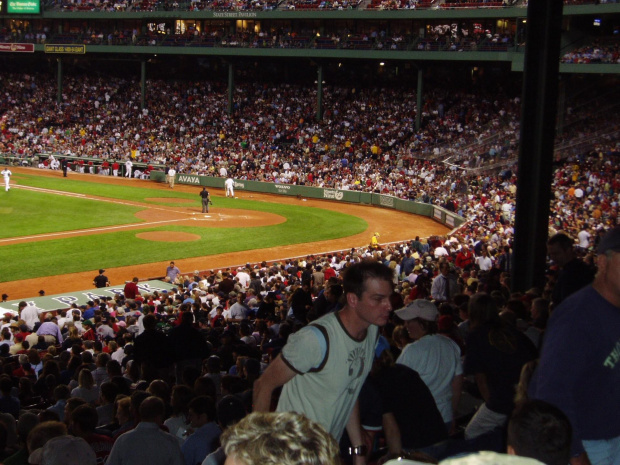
(206, 200)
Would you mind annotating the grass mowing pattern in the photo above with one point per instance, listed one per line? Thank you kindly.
(123, 248)
(25, 213)
(137, 194)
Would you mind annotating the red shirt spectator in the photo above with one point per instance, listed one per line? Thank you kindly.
(465, 258)
(131, 289)
(329, 272)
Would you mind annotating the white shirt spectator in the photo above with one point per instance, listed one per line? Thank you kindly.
(584, 239)
(244, 279)
(63, 321)
(440, 252)
(104, 331)
(485, 263)
(30, 315)
(118, 355)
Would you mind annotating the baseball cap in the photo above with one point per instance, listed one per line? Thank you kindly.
(489, 458)
(64, 450)
(420, 308)
(610, 241)
(101, 270)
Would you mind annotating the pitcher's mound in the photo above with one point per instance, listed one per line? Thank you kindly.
(168, 236)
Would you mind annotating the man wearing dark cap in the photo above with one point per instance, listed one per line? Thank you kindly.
(89, 311)
(101, 280)
(579, 369)
(206, 199)
(89, 330)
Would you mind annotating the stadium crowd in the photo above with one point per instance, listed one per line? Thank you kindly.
(196, 5)
(366, 141)
(439, 37)
(125, 5)
(272, 136)
(597, 52)
(200, 348)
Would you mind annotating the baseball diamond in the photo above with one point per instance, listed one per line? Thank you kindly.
(167, 214)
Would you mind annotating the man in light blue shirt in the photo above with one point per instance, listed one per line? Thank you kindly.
(50, 329)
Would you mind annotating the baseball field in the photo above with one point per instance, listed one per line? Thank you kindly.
(57, 232)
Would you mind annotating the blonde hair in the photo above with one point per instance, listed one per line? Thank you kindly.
(527, 371)
(400, 336)
(285, 438)
(85, 379)
(122, 406)
(73, 332)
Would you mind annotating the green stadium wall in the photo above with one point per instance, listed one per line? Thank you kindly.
(439, 214)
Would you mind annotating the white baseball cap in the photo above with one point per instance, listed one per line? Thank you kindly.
(419, 308)
(64, 450)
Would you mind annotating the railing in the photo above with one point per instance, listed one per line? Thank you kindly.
(302, 41)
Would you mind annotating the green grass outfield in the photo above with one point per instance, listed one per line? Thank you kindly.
(25, 212)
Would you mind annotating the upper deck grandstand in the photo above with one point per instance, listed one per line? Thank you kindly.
(331, 99)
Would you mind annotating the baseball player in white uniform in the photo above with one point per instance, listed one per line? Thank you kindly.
(128, 165)
(6, 174)
(230, 184)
